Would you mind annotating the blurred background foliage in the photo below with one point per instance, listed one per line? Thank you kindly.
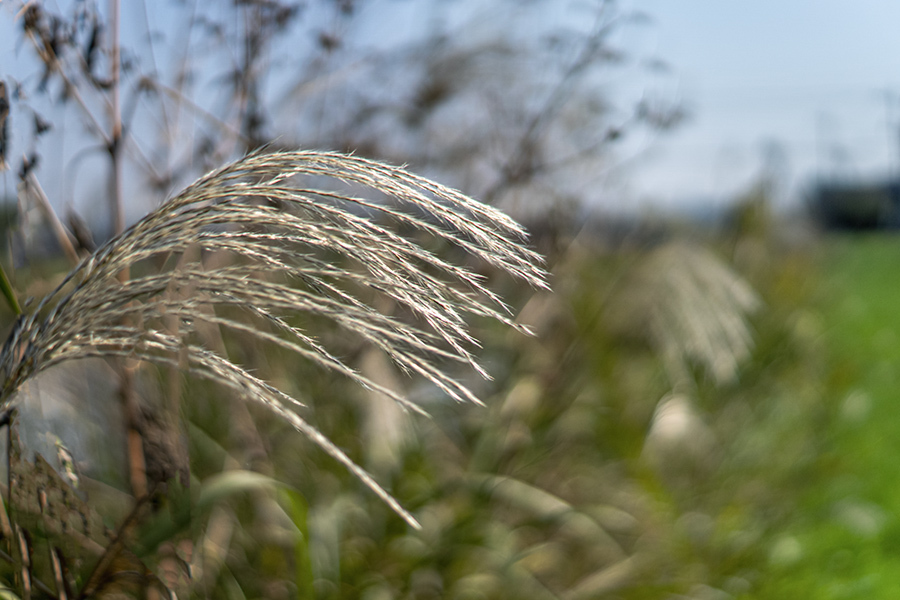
(704, 411)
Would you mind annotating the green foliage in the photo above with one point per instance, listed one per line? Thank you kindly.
(843, 535)
(552, 489)
(547, 492)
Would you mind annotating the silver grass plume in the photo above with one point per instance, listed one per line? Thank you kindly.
(700, 312)
(259, 210)
(693, 308)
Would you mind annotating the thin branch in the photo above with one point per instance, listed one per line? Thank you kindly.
(48, 55)
(63, 237)
(115, 138)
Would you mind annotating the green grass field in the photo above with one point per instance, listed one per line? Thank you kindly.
(844, 541)
(547, 492)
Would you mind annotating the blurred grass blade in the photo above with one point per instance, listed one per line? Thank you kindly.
(219, 487)
(8, 292)
(546, 506)
(299, 513)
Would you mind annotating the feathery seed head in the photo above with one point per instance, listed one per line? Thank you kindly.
(297, 250)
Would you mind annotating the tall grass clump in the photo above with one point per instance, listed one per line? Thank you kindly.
(305, 243)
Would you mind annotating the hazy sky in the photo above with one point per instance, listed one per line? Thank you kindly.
(819, 77)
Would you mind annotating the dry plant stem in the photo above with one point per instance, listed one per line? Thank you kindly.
(25, 554)
(130, 402)
(4, 126)
(43, 587)
(98, 576)
(58, 575)
(5, 525)
(63, 237)
(115, 139)
(550, 109)
(137, 465)
(101, 570)
(177, 96)
(299, 254)
(48, 57)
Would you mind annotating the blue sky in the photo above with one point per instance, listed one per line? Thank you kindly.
(818, 78)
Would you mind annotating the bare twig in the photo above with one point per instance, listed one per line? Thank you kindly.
(46, 54)
(63, 237)
(115, 137)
